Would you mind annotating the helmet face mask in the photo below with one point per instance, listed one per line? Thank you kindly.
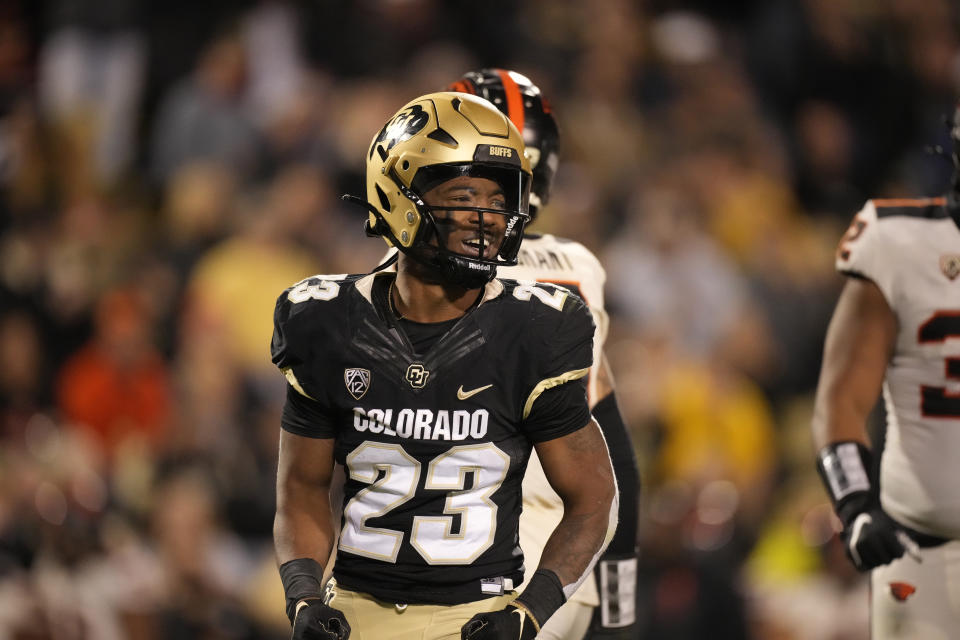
(429, 142)
(518, 98)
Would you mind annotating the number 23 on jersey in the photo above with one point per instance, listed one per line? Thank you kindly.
(393, 476)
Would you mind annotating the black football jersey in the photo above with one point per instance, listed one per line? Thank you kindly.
(434, 445)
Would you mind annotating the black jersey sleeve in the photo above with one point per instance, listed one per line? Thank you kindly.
(557, 403)
(559, 411)
(282, 351)
(306, 417)
(293, 352)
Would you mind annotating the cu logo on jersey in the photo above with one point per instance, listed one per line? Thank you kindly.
(357, 381)
(417, 375)
(404, 126)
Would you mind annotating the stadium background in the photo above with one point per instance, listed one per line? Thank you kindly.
(166, 168)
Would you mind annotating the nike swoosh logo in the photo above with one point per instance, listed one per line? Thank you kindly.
(523, 619)
(463, 395)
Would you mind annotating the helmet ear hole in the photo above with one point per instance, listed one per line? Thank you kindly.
(384, 200)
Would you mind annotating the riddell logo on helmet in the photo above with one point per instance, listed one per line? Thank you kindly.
(501, 152)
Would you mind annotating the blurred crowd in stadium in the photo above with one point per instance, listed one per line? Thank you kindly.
(168, 168)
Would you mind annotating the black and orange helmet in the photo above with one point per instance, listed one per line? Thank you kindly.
(521, 101)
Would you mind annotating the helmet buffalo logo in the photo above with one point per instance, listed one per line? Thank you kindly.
(357, 381)
(901, 590)
(404, 126)
(950, 265)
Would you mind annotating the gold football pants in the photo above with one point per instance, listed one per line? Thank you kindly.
(372, 619)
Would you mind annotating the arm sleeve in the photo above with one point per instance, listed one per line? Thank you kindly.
(607, 414)
(616, 572)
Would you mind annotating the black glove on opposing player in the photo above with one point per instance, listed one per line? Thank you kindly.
(317, 621)
(871, 538)
(510, 623)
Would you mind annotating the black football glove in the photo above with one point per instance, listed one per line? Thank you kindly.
(871, 538)
(510, 623)
(317, 621)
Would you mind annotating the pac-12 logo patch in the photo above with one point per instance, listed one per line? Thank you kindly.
(357, 381)
(417, 375)
(950, 265)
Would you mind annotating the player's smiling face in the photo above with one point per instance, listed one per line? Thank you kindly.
(462, 229)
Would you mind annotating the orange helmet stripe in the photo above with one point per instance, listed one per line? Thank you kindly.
(909, 202)
(462, 87)
(514, 99)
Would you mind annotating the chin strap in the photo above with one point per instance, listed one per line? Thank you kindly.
(381, 228)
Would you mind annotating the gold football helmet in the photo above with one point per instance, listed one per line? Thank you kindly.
(432, 139)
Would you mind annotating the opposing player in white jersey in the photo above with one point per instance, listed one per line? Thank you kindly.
(896, 328)
(611, 613)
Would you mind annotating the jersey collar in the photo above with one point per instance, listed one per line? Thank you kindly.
(492, 289)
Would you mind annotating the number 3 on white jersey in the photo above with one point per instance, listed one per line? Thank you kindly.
(431, 536)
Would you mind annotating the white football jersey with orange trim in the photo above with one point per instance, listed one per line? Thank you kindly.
(547, 258)
(911, 249)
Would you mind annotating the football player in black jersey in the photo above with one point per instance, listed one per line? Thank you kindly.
(431, 386)
(608, 609)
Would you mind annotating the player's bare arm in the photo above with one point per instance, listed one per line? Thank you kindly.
(303, 535)
(859, 344)
(579, 469)
(303, 527)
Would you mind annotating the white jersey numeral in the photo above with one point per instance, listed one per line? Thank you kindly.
(432, 536)
(316, 288)
(397, 485)
(525, 289)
